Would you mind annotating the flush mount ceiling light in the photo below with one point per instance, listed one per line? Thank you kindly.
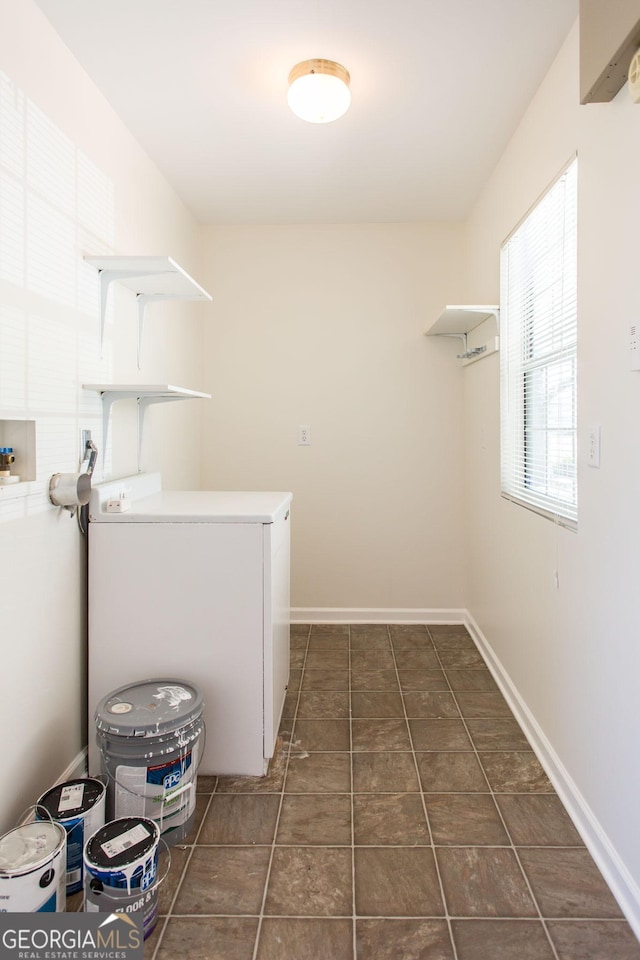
(319, 90)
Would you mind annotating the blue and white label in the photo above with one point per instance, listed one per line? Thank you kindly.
(164, 792)
(40, 891)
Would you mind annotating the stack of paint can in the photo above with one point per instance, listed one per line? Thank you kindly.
(104, 839)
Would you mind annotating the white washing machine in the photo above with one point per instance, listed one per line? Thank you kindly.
(194, 585)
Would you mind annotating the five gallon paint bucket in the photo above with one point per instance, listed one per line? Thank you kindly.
(79, 805)
(121, 868)
(33, 868)
(150, 736)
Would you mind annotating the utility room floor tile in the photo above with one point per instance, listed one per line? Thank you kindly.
(318, 820)
(310, 881)
(224, 880)
(501, 940)
(403, 940)
(388, 818)
(484, 882)
(209, 938)
(566, 883)
(304, 939)
(465, 819)
(538, 820)
(397, 882)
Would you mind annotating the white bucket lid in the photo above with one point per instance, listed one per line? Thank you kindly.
(30, 846)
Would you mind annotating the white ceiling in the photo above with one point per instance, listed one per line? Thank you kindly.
(437, 89)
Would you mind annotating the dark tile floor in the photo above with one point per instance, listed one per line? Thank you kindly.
(404, 817)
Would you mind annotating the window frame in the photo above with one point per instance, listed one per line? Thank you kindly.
(538, 340)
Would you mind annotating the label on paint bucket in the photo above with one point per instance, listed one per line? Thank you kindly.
(163, 792)
(71, 797)
(118, 845)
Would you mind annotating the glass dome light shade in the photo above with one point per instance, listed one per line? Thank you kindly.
(319, 90)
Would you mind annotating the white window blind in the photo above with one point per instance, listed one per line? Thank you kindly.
(538, 319)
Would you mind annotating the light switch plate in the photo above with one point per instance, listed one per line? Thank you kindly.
(593, 449)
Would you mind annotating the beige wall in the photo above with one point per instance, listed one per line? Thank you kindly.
(572, 652)
(323, 325)
(72, 181)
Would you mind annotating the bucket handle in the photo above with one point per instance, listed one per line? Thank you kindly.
(169, 797)
(31, 815)
(185, 749)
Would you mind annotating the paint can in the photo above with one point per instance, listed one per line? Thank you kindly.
(151, 738)
(79, 806)
(120, 870)
(33, 868)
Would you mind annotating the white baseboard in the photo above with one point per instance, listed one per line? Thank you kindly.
(76, 769)
(622, 885)
(375, 615)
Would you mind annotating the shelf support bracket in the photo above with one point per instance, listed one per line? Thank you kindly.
(144, 397)
(107, 277)
(108, 398)
(457, 336)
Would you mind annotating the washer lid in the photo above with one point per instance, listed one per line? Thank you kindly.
(149, 708)
(197, 506)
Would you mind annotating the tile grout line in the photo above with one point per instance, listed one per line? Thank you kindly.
(621, 921)
(192, 848)
(424, 803)
(491, 790)
(353, 822)
(282, 790)
(381, 846)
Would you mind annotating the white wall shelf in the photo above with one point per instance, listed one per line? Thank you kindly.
(150, 278)
(145, 395)
(458, 321)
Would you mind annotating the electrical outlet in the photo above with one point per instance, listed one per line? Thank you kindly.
(634, 344)
(304, 436)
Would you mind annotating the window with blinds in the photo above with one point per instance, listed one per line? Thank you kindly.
(538, 334)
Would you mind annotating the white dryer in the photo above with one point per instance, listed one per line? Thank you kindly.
(194, 585)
